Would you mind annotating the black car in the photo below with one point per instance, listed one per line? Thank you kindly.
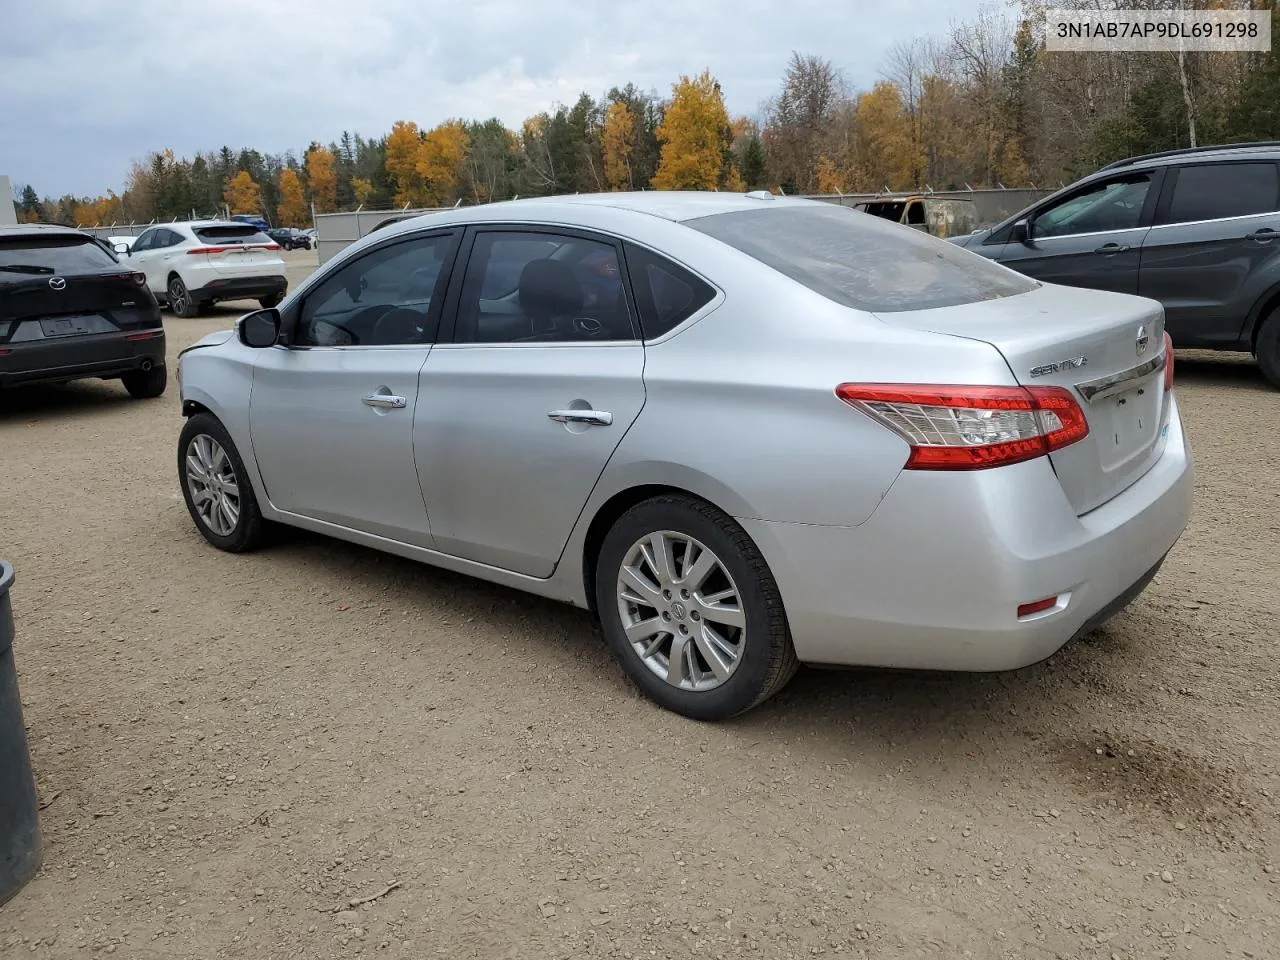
(1196, 229)
(290, 239)
(69, 310)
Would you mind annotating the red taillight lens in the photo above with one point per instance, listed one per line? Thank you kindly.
(271, 246)
(194, 251)
(1168, 362)
(971, 428)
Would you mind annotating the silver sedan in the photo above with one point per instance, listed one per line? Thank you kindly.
(747, 431)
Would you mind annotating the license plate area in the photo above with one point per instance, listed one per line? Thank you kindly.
(1132, 423)
(72, 326)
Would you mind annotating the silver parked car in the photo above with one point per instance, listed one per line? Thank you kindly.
(747, 431)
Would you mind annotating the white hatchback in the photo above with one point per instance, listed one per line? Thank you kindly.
(193, 264)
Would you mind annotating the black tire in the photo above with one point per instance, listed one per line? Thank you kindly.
(250, 529)
(272, 301)
(767, 659)
(146, 384)
(1267, 348)
(179, 298)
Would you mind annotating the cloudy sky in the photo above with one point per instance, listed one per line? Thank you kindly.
(91, 85)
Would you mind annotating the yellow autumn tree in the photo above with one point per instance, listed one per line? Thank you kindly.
(440, 158)
(362, 190)
(695, 136)
(887, 153)
(84, 215)
(292, 209)
(242, 194)
(404, 146)
(322, 173)
(615, 143)
(831, 178)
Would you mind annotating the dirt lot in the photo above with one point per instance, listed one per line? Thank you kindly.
(230, 748)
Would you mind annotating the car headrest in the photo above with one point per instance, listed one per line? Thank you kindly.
(548, 288)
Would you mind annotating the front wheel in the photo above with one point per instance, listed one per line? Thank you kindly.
(216, 486)
(146, 384)
(1267, 349)
(272, 301)
(180, 301)
(691, 610)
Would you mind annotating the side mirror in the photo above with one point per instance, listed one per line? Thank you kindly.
(1021, 231)
(121, 248)
(260, 328)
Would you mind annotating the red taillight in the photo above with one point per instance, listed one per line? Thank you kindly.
(1036, 606)
(971, 428)
(1168, 362)
(4, 352)
(200, 250)
(271, 246)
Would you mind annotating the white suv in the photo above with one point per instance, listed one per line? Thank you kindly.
(193, 264)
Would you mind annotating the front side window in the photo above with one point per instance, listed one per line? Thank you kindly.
(145, 241)
(534, 287)
(862, 262)
(1109, 205)
(380, 299)
(1218, 190)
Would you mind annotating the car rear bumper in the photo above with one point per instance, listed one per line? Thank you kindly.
(933, 579)
(240, 288)
(75, 358)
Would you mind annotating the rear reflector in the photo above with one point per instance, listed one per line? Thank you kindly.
(4, 352)
(959, 427)
(1168, 362)
(1038, 606)
(149, 335)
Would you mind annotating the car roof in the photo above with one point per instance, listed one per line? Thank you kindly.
(38, 229)
(1226, 151)
(675, 205)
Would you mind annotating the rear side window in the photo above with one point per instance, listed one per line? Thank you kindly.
(231, 234)
(52, 254)
(1217, 190)
(863, 262)
(666, 294)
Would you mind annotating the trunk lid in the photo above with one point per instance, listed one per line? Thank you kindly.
(31, 308)
(237, 250)
(1106, 348)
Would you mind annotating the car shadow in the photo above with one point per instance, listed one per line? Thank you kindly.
(915, 711)
(1219, 369)
(87, 397)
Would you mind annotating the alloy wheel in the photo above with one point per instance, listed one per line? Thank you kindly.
(215, 489)
(177, 296)
(681, 611)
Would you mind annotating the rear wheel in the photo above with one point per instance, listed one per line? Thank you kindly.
(145, 384)
(272, 301)
(216, 486)
(180, 302)
(1267, 349)
(691, 610)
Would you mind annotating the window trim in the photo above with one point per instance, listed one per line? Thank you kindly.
(447, 335)
(290, 318)
(1161, 218)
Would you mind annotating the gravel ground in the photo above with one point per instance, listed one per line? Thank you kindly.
(233, 749)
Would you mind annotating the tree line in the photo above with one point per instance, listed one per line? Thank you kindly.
(984, 105)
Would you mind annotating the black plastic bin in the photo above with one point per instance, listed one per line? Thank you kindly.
(19, 812)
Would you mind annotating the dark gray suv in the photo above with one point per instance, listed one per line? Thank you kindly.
(1198, 230)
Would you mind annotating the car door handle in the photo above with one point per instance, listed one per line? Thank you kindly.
(601, 418)
(385, 400)
(1264, 235)
(1107, 249)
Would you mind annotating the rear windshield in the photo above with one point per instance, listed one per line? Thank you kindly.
(232, 234)
(64, 253)
(861, 261)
